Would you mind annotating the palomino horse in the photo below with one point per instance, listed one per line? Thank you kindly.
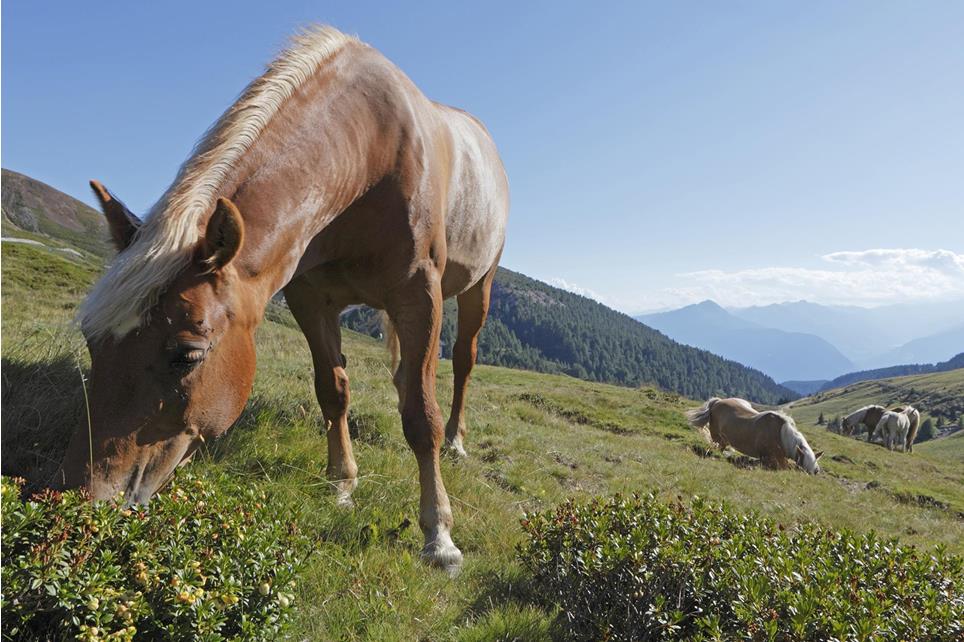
(870, 417)
(334, 178)
(893, 430)
(770, 436)
(894, 427)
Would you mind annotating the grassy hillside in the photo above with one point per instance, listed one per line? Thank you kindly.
(36, 211)
(894, 371)
(534, 439)
(935, 395)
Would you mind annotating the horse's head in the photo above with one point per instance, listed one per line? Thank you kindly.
(808, 460)
(182, 376)
(848, 424)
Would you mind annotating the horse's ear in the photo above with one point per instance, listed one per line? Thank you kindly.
(224, 235)
(121, 221)
(818, 455)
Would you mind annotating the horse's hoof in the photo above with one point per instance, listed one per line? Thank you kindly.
(343, 490)
(456, 449)
(444, 554)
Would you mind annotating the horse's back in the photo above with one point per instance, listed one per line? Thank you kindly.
(734, 407)
(742, 428)
(477, 207)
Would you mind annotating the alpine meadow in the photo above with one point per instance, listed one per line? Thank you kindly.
(535, 440)
(469, 323)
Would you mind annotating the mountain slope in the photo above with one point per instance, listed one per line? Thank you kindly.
(894, 371)
(935, 395)
(535, 326)
(782, 355)
(36, 211)
(804, 387)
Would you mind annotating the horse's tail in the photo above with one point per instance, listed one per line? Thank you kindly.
(699, 417)
(391, 340)
(914, 417)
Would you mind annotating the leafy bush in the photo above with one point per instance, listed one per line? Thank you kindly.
(639, 569)
(200, 563)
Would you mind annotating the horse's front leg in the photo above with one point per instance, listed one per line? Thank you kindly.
(321, 328)
(417, 316)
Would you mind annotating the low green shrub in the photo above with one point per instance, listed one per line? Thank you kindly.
(205, 561)
(637, 568)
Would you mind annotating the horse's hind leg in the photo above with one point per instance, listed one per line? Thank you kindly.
(473, 308)
(417, 316)
(319, 323)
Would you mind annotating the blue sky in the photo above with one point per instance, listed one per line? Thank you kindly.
(658, 153)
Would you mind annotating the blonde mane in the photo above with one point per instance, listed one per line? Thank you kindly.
(161, 249)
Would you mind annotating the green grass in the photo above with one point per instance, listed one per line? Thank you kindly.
(934, 395)
(533, 440)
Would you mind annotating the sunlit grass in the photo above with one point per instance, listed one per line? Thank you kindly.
(533, 441)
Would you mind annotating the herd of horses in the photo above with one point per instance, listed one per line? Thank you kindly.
(897, 426)
(333, 179)
(773, 438)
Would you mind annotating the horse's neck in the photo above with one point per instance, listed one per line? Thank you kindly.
(789, 441)
(314, 159)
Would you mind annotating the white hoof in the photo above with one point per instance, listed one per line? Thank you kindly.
(343, 490)
(456, 448)
(442, 553)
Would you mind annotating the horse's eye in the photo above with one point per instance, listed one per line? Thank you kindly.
(187, 357)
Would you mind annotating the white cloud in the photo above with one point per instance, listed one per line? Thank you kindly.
(561, 283)
(865, 277)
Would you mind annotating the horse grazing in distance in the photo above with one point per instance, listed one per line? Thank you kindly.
(769, 436)
(894, 427)
(893, 431)
(914, 416)
(334, 179)
(868, 416)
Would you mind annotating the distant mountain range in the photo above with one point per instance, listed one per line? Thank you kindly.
(531, 325)
(778, 353)
(872, 337)
(805, 344)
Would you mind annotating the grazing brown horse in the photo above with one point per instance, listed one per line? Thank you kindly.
(335, 179)
(868, 416)
(770, 436)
